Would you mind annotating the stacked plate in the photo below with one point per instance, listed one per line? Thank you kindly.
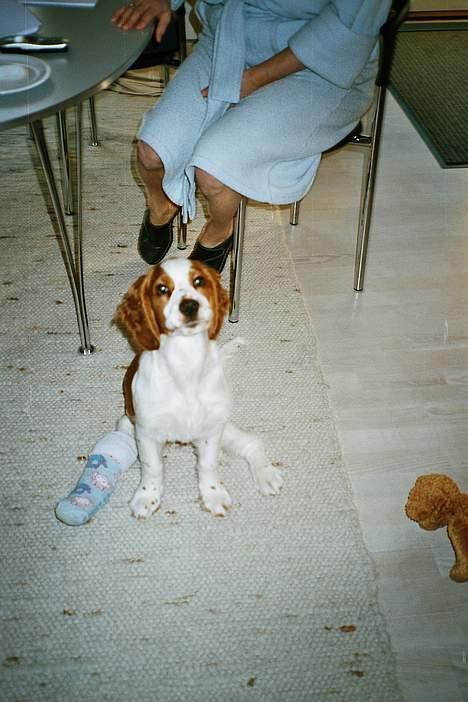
(21, 72)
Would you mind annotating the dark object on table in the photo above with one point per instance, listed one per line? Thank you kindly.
(173, 42)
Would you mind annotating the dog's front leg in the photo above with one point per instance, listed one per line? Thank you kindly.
(147, 497)
(215, 497)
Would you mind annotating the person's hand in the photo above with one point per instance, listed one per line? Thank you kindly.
(138, 14)
(248, 85)
(249, 82)
(278, 66)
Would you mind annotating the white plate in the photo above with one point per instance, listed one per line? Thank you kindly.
(21, 72)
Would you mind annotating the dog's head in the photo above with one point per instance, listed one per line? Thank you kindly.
(433, 500)
(179, 296)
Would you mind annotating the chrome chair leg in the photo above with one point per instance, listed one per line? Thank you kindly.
(181, 233)
(75, 277)
(94, 140)
(367, 192)
(294, 213)
(236, 262)
(86, 348)
(67, 185)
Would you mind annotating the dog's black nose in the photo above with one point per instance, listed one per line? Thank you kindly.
(189, 308)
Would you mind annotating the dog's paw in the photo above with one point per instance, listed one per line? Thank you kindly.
(145, 502)
(216, 499)
(268, 480)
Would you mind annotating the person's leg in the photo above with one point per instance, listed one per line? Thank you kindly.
(169, 132)
(166, 140)
(216, 239)
(222, 207)
(110, 457)
(151, 170)
(156, 235)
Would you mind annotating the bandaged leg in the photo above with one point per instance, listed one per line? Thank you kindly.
(112, 455)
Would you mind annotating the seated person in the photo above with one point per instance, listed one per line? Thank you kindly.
(269, 86)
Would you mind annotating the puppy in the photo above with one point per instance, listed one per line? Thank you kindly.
(175, 388)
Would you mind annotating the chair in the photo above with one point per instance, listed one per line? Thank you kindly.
(370, 141)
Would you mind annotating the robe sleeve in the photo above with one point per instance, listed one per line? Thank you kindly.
(175, 4)
(338, 42)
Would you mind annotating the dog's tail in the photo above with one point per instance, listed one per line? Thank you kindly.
(125, 425)
(231, 347)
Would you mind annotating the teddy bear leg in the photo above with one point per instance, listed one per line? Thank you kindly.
(458, 535)
(459, 572)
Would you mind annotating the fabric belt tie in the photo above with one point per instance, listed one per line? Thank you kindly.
(228, 54)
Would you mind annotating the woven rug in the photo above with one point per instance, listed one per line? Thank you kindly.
(430, 81)
(277, 601)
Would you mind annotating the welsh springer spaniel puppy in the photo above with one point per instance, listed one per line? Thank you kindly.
(175, 388)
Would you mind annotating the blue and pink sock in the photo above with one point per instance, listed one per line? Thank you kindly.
(112, 455)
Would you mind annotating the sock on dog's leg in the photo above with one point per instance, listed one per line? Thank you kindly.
(112, 455)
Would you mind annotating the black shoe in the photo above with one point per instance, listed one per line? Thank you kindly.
(154, 240)
(214, 256)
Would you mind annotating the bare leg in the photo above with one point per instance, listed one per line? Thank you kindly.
(223, 203)
(151, 170)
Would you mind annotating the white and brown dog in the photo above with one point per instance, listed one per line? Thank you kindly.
(175, 388)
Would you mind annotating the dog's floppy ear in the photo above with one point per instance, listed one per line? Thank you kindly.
(219, 305)
(135, 315)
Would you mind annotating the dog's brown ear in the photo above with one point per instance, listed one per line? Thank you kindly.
(135, 315)
(219, 304)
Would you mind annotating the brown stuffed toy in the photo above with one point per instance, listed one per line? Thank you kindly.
(436, 501)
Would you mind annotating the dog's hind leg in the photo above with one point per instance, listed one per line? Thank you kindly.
(249, 446)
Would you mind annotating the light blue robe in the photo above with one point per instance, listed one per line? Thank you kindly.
(266, 146)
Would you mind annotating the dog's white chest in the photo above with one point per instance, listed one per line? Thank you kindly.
(183, 398)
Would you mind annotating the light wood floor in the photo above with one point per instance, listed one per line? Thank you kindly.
(396, 359)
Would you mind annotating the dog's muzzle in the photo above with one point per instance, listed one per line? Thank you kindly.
(189, 309)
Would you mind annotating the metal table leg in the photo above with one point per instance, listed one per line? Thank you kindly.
(94, 141)
(67, 186)
(73, 263)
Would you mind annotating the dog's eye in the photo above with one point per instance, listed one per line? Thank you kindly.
(162, 289)
(199, 281)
